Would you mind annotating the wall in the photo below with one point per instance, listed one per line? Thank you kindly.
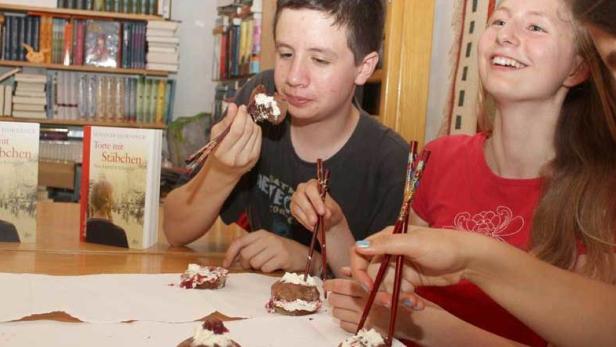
(442, 41)
(194, 90)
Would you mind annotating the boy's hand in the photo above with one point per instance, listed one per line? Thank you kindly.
(267, 252)
(240, 149)
(306, 205)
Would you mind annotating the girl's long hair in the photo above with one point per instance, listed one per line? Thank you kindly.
(577, 209)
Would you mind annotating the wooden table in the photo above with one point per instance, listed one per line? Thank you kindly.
(58, 250)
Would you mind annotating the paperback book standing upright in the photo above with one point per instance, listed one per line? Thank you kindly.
(19, 148)
(120, 186)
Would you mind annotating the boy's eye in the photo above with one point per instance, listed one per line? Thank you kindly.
(498, 22)
(534, 27)
(320, 61)
(285, 55)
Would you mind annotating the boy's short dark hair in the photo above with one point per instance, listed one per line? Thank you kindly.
(364, 20)
(601, 13)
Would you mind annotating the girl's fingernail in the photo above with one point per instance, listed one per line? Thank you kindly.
(407, 303)
(362, 243)
(365, 287)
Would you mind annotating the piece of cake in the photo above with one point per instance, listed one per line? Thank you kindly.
(364, 338)
(263, 107)
(212, 333)
(203, 277)
(293, 296)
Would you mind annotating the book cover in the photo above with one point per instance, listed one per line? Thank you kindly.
(120, 186)
(19, 148)
(102, 43)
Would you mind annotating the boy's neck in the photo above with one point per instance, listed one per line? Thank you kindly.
(523, 139)
(323, 138)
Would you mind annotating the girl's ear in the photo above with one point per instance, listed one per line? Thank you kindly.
(366, 68)
(579, 73)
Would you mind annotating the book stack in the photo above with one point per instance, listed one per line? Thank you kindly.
(162, 46)
(30, 99)
(6, 100)
(237, 40)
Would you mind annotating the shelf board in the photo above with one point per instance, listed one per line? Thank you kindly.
(69, 12)
(86, 68)
(377, 76)
(81, 122)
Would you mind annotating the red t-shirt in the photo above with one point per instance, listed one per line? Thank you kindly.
(459, 191)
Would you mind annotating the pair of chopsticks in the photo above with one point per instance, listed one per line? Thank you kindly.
(322, 180)
(414, 171)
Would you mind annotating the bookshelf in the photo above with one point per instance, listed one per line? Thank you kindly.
(69, 12)
(243, 45)
(82, 122)
(127, 87)
(85, 68)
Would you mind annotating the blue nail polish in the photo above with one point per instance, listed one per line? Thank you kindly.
(362, 243)
(365, 287)
(408, 303)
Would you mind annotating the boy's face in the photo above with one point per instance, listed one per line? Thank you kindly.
(315, 69)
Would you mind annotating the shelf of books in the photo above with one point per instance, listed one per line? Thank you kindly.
(87, 12)
(82, 66)
(237, 46)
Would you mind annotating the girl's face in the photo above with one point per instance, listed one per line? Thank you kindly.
(528, 51)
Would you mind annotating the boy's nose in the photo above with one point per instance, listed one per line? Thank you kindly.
(298, 74)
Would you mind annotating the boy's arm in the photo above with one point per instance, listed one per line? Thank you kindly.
(190, 210)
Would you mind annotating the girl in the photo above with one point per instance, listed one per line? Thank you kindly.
(546, 160)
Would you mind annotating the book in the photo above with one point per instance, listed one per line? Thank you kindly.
(120, 186)
(102, 43)
(19, 148)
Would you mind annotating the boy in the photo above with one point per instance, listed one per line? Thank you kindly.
(324, 50)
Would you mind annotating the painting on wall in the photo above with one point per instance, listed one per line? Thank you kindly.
(459, 99)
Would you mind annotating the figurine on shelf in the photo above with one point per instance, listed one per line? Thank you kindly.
(35, 57)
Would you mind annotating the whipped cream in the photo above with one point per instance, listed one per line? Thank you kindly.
(208, 338)
(297, 305)
(364, 338)
(292, 277)
(268, 102)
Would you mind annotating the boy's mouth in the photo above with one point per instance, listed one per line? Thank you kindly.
(296, 100)
(499, 60)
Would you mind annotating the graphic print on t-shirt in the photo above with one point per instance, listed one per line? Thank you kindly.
(497, 224)
(279, 196)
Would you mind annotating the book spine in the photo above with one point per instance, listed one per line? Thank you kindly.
(85, 182)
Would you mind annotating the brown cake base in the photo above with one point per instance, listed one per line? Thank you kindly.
(289, 292)
(188, 343)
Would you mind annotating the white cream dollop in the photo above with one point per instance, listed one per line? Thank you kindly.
(269, 102)
(368, 338)
(292, 277)
(208, 338)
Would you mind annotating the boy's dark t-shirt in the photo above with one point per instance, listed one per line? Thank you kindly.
(367, 177)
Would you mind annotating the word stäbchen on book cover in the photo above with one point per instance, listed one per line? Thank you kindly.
(120, 186)
(19, 148)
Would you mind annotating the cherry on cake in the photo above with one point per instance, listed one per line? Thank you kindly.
(293, 296)
(203, 277)
(212, 333)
